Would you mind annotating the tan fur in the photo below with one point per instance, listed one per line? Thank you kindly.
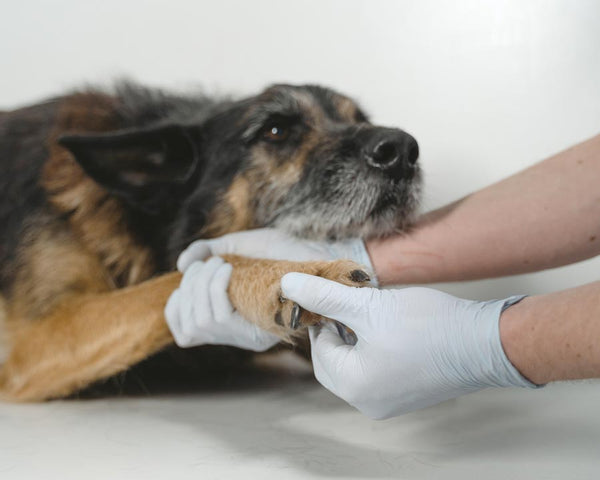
(233, 213)
(95, 217)
(86, 338)
(346, 108)
(54, 266)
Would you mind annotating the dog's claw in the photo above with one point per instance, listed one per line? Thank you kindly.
(295, 317)
(359, 276)
(347, 335)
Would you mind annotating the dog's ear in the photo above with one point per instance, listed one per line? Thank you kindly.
(145, 167)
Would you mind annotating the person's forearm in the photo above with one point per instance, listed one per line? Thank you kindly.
(542, 217)
(556, 336)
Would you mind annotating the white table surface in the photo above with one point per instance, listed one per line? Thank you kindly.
(274, 421)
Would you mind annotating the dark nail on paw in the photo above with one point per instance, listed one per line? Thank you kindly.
(359, 276)
(295, 317)
(347, 335)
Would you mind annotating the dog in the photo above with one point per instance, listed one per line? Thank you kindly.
(102, 189)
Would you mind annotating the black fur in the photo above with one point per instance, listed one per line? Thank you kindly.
(171, 158)
(23, 137)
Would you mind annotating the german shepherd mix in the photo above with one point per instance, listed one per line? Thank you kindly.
(100, 192)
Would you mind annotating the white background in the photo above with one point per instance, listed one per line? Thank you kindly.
(487, 88)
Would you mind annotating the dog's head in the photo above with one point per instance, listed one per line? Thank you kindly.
(304, 159)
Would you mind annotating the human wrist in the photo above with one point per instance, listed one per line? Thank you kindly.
(400, 260)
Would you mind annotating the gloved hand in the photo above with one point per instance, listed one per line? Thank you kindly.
(416, 346)
(199, 311)
(276, 245)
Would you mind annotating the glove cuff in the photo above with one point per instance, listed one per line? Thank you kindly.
(501, 372)
(354, 249)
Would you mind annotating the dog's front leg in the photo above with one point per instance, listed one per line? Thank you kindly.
(84, 339)
(94, 336)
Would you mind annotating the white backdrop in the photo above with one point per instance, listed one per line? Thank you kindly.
(487, 88)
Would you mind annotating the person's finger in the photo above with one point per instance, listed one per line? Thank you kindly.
(197, 251)
(348, 305)
(200, 291)
(171, 311)
(187, 314)
(173, 320)
(247, 335)
(219, 299)
(195, 309)
(329, 353)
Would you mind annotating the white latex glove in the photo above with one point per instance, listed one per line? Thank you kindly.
(199, 311)
(416, 346)
(276, 245)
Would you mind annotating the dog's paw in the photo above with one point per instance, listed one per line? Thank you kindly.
(293, 316)
(255, 291)
(345, 272)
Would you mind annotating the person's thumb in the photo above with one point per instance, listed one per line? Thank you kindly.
(348, 305)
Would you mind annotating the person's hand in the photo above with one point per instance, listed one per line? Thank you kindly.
(276, 245)
(199, 311)
(416, 346)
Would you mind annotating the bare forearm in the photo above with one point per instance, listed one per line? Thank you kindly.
(556, 336)
(542, 217)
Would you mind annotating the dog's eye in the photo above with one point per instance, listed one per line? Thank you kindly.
(279, 128)
(275, 132)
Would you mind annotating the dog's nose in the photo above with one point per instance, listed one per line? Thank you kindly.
(394, 152)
